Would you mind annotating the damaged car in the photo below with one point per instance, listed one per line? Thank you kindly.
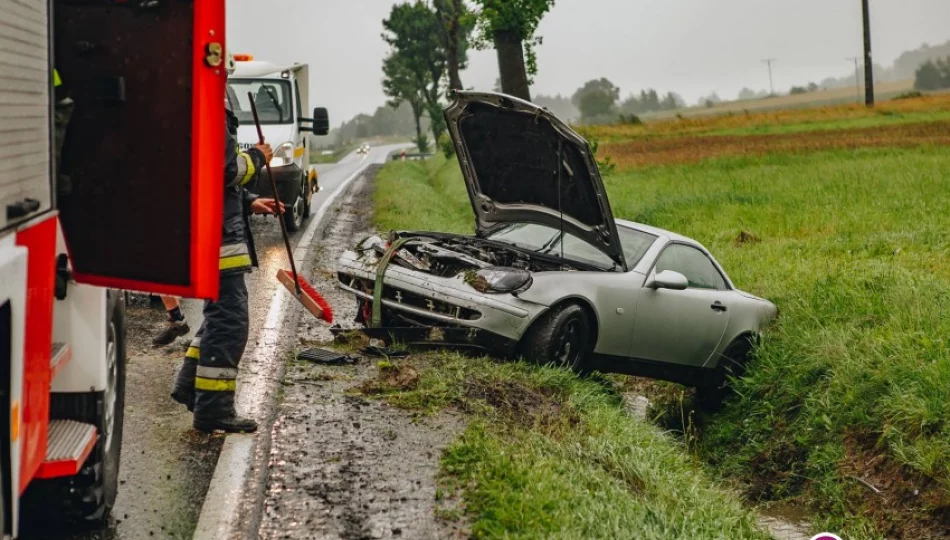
(550, 274)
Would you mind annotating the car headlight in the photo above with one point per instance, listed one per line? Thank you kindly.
(283, 155)
(500, 280)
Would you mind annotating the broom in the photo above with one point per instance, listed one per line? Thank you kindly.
(298, 285)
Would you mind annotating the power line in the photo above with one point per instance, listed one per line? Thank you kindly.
(857, 76)
(769, 61)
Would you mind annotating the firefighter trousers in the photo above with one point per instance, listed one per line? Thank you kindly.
(208, 375)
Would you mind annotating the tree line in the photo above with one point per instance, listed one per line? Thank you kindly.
(933, 75)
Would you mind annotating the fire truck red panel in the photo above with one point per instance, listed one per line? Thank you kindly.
(144, 149)
(40, 240)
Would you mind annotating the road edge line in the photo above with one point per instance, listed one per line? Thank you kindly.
(221, 507)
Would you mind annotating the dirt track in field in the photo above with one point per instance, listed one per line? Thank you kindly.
(692, 149)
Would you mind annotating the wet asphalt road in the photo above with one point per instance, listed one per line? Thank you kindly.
(343, 466)
(166, 466)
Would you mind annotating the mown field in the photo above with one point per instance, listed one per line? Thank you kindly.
(845, 408)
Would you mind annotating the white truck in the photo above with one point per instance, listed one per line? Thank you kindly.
(281, 95)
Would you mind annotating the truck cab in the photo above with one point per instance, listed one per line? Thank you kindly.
(281, 95)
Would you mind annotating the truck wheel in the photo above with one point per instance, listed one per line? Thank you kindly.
(86, 500)
(308, 200)
(294, 213)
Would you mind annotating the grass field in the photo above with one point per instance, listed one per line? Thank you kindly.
(851, 388)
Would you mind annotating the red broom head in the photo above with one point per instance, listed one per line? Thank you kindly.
(308, 289)
(310, 298)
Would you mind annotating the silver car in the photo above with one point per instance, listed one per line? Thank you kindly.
(550, 274)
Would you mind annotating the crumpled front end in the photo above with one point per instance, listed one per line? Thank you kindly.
(429, 285)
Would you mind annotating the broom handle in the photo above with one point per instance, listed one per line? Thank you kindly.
(280, 211)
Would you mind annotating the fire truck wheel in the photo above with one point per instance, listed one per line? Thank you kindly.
(86, 500)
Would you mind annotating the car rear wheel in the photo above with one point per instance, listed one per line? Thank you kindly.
(712, 392)
(561, 337)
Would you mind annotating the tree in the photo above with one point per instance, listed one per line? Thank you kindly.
(746, 93)
(933, 75)
(511, 26)
(456, 25)
(414, 33)
(402, 84)
(596, 99)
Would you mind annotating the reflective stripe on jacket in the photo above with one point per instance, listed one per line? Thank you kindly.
(240, 169)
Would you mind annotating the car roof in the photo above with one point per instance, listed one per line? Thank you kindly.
(656, 231)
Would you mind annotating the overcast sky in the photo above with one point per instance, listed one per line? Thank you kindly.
(692, 47)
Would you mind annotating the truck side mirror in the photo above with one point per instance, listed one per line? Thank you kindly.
(321, 121)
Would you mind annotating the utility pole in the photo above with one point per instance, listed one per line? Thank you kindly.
(857, 76)
(769, 61)
(868, 65)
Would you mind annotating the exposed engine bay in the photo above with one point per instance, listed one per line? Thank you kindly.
(448, 255)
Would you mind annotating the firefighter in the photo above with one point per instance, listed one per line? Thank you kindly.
(207, 378)
(176, 325)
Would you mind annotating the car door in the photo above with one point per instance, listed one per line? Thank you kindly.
(682, 326)
(144, 148)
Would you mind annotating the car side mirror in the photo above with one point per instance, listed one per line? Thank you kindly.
(668, 279)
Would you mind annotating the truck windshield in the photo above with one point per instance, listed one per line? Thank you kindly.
(272, 97)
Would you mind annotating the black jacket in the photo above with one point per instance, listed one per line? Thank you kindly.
(240, 169)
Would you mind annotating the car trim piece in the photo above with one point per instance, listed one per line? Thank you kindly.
(423, 313)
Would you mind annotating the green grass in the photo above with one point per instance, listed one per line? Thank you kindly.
(425, 195)
(548, 455)
(316, 156)
(854, 252)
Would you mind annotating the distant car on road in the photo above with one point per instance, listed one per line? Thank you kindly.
(550, 274)
(363, 149)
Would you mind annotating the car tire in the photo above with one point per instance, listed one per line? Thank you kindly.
(711, 393)
(86, 500)
(561, 337)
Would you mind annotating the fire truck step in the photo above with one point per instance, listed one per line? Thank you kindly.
(70, 443)
(62, 353)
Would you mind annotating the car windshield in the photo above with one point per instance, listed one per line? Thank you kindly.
(272, 98)
(547, 240)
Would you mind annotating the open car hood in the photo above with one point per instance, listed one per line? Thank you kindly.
(521, 164)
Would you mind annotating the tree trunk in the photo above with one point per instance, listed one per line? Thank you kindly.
(452, 46)
(514, 78)
(417, 114)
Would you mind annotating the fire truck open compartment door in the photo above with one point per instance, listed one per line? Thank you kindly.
(145, 146)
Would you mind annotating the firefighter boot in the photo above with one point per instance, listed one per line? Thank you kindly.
(228, 424)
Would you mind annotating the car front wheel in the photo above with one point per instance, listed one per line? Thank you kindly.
(561, 337)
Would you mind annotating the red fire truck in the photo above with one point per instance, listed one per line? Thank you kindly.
(133, 203)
